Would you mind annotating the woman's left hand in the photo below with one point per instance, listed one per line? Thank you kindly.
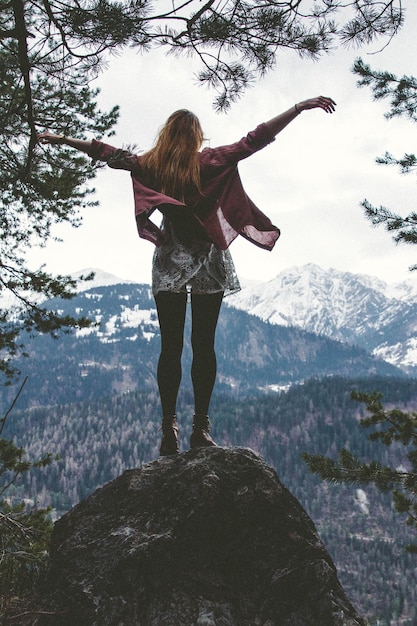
(321, 102)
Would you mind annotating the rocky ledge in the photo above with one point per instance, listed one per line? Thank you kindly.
(209, 537)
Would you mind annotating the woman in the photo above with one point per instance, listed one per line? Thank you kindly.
(204, 208)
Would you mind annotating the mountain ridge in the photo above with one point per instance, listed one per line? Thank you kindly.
(119, 352)
(353, 308)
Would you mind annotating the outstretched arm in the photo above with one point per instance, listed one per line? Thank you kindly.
(78, 144)
(278, 123)
(116, 158)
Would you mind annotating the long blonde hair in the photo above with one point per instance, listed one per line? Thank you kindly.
(174, 163)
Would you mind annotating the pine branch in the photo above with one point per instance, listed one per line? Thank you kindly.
(402, 91)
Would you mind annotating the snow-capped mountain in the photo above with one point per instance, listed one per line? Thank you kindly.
(100, 279)
(353, 308)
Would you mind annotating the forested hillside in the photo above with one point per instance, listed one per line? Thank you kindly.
(99, 440)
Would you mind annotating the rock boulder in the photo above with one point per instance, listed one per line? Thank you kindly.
(209, 537)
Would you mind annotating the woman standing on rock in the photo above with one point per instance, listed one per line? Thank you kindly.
(204, 208)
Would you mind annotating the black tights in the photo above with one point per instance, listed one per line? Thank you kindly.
(171, 309)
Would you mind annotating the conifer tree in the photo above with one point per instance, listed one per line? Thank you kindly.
(402, 93)
(40, 87)
(391, 425)
(25, 530)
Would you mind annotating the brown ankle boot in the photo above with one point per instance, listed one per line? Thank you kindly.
(200, 437)
(169, 442)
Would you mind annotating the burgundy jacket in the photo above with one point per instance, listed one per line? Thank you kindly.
(223, 208)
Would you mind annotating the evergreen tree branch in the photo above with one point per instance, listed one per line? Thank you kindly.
(390, 426)
(372, 18)
(405, 228)
(402, 91)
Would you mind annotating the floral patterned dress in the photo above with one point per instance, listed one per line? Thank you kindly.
(195, 265)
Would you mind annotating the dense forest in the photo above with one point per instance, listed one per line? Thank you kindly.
(98, 440)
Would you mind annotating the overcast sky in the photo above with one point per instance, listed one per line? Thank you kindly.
(310, 181)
